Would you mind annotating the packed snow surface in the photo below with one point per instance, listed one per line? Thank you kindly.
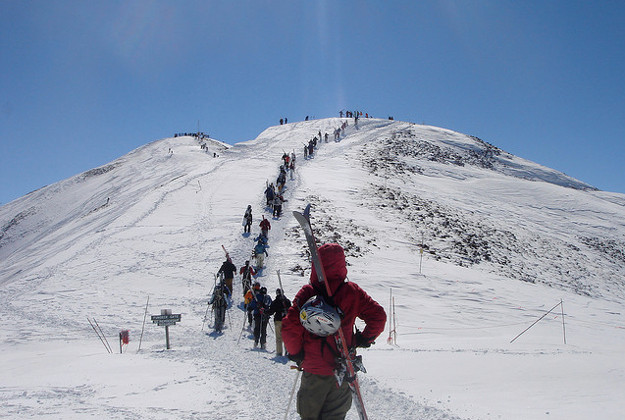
(471, 244)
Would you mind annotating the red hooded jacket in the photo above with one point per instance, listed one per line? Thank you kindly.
(320, 352)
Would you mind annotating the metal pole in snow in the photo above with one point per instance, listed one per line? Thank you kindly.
(535, 322)
(421, 252)
(563, 328)
(390, 321)
(167, 336)
(145, 314)
(394, 324)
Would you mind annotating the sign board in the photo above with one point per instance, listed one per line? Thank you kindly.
(169, 317)
(166, 322)
(165, 319)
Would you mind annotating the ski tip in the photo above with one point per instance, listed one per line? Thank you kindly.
(305, 214)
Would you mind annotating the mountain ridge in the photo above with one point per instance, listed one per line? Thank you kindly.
(498, 252)
(386, 149)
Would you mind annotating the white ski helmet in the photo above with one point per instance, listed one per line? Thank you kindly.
(319, 318)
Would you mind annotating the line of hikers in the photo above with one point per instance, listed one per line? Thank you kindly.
(303, 324)
(256, 302)
(259, 251)
(274, 193)
(198, 135)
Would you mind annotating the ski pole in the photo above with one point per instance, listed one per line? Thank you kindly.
(98, 334)
(288, 407)
(208, 305)
(229, 318)
(102, 332)
(243, 327)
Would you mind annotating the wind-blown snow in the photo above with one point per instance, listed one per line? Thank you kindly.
(504, 241)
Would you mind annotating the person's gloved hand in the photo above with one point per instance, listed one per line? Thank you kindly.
(297, 358)
(361, 341)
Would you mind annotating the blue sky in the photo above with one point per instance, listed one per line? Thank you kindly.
(83, 83)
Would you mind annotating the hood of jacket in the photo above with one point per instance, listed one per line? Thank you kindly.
(332, 258)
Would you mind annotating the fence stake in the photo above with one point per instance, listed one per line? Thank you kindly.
(145, 314)
(563, 328)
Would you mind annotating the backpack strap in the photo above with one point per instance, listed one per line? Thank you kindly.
(330, 299)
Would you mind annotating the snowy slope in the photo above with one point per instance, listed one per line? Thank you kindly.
(504, 241)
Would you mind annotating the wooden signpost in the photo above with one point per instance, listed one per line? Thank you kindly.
(165, 319)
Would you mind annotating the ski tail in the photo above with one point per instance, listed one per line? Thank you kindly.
(226, 252)
(304, 220)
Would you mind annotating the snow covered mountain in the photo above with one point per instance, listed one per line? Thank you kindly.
(503, 240)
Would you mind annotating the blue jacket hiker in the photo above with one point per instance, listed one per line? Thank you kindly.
(260, 250)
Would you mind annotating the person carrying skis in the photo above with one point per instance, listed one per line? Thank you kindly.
(246, 272)
(265, 227)
(249, 297)
(219, 302)
(269, 194)
(281, 180)
(259, 306)
(260, 251)
(278, 309)
(261, 238)
(247, 220)
(277, 205)
(228, 269)
(319, 396)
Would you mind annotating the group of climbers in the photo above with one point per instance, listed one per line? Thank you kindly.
(314, 351)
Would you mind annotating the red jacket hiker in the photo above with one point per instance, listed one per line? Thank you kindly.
(264, 224)
(319, 353)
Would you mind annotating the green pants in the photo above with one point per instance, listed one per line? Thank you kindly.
(319, 398)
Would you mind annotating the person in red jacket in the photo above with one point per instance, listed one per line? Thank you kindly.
(265, 226)
(319, 395)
